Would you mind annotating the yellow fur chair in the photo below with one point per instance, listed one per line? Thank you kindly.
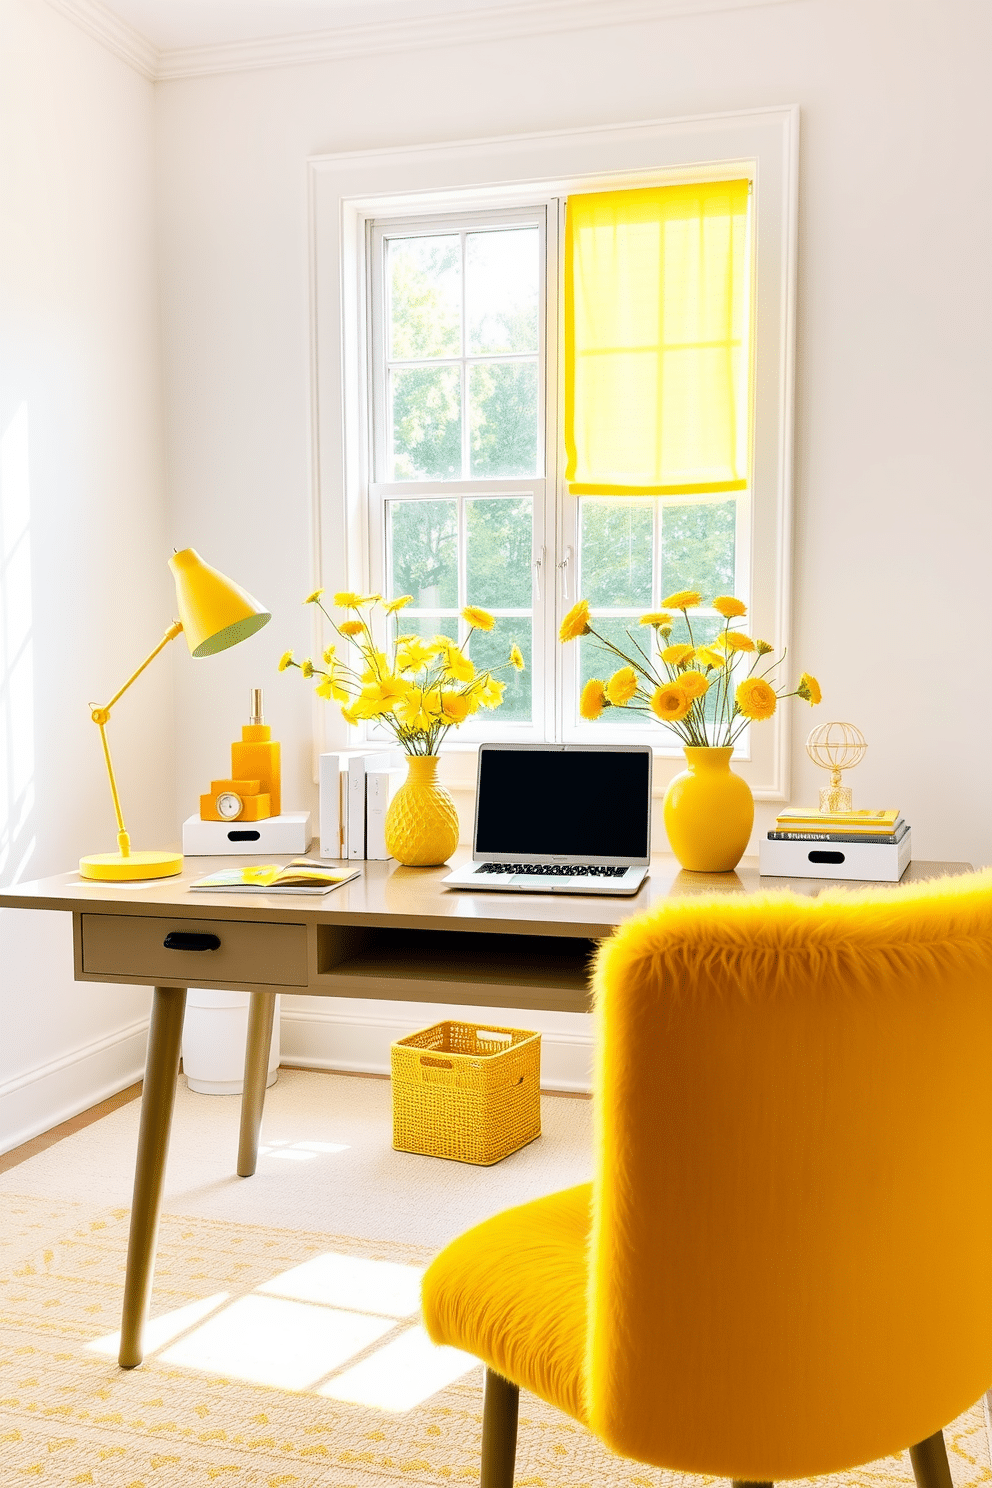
(782, 1267)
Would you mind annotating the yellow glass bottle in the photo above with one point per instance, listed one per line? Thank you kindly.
(256, 757)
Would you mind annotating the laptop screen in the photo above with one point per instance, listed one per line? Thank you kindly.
(552, 802)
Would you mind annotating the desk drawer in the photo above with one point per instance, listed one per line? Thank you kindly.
(249, 952)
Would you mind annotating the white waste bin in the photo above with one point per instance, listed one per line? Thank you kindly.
(215, 1032)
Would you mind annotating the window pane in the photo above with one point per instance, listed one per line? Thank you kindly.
(697, 547)
(501, 281)
(615, 551)
(490, 649)
(427, 423)
(499, 531)
(424, 277)
(503, 403)
(423, 547)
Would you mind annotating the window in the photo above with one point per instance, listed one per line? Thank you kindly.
(442, 279)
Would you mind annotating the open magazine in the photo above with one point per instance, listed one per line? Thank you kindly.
(301, 876)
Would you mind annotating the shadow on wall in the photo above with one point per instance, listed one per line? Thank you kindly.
(17, 794)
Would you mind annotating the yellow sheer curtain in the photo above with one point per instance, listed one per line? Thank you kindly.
(657, 340)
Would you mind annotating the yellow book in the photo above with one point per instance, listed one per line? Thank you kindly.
(842, 821)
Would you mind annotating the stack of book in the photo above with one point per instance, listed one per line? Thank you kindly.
(873, 846)
(356, 787)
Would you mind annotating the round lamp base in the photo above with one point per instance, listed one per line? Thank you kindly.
(111, 866)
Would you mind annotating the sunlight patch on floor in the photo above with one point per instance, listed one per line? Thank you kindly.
(380, 1287)
(162, 1330)
(271, 1341)
(403, 1373)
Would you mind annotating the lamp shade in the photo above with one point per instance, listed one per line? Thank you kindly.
(215, 612)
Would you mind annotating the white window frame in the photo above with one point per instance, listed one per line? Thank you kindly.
(484, 725)
(348, 191)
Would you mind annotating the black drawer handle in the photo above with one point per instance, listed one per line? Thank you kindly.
(243, 836)
(826, 857)
(191, 940)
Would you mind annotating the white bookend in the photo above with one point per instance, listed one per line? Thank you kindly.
(869, 862)
(380, 788)
(358, 767)
(331, 818)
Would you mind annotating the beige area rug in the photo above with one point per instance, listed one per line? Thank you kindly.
(282, 1356)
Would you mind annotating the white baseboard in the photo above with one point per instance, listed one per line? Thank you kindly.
(40, 1098)
(359, 1040)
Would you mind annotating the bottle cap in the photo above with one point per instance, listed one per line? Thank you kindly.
(255, 706)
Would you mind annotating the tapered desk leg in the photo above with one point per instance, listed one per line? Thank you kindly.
(260, 1015)
(158, 1097)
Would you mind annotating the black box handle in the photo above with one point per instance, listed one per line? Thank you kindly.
(191, 940)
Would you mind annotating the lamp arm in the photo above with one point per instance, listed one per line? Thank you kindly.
(101, 717)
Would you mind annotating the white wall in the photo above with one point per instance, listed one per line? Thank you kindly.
(893, 518)
(84, 590)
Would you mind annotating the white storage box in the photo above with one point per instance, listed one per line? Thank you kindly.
(869, 862)
(287, 833)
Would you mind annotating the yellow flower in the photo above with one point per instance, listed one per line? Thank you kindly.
(413, 654)
(454, 707)
(685, 599)
(576, 622)
(384, 694)
(763, 648)
(349, 715)
(369, 599)
(377, 665)
(728, 607)
(708, 657)
(809, 689)
(416, 709)
(392, 605)
(286, 660)
(693, 683)
(678, 655)
(306, 667)
(478, 619)
(657, 617)
(516, 657)
(458, 665)
(346, 600)
(734, 640)
(670, 703)
(351, 627)
(329, 653)
(490, 694)
(622, 686)
(755, 699)
(593, 699)
(313, 598)
(330, 688)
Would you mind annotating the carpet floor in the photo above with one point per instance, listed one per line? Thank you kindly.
(278, 1355)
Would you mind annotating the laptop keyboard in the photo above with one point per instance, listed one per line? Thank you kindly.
(557, 870)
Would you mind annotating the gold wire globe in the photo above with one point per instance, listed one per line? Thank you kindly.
(836, 747)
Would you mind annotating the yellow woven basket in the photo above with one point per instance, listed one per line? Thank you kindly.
(465, 1091)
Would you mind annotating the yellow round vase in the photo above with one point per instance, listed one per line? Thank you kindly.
(709, 813)
(421, 823)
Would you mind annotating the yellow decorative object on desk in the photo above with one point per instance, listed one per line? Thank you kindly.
(417, 689)
(709, 813)
(421, 823)
(466, 1091)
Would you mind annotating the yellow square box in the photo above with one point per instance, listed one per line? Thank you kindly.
(466, 1091)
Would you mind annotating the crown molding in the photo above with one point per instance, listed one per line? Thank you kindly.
(98, 21)
(455, 28)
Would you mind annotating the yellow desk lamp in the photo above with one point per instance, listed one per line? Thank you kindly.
(215, 613)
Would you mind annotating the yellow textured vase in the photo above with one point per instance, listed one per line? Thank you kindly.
(709, 813)
(421, 823)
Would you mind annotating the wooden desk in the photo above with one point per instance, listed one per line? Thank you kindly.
(394, 933)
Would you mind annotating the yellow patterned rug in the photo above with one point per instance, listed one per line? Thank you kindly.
(279, 1358)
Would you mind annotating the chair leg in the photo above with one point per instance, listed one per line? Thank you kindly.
(929, 1459)
(499, 1431)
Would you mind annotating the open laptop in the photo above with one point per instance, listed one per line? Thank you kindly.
(560, 819)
